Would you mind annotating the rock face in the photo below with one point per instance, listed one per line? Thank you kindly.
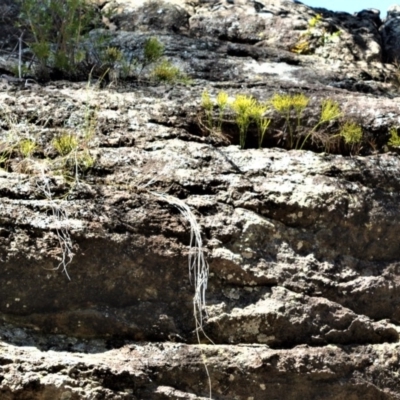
(301, 246)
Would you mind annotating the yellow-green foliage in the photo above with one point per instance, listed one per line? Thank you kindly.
(303, 44)
(314, 21)
(3, 158)
(27, 147)
(284, 104)
(86, 161)
(394, 140)
(257, 115)
(246, 109)
(351, 133)
(6, 150)
(222, 103)
(167, 72)
(206, 101)
(249, 110)
(243, 106)
(301, 47)
(299, 102)
(222, 100)
(208, 106)
(262, 124)
(65, 143)
(113, 55)
(330, 111)
(314, 34)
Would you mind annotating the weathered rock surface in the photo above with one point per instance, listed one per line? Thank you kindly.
(302, 246)
(176, 371)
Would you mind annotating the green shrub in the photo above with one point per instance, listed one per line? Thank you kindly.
(153, 50)
(58, 36)
(57, 33)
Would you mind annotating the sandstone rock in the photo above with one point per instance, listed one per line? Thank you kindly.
(135, 371)
(390, 31)
(96, 299)
(151, 16)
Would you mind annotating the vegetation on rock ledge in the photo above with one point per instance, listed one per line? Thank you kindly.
(285, 114)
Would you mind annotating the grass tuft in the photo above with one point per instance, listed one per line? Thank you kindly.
(27, 147)
(65, 144)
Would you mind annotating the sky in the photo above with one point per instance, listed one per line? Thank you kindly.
(352, 5)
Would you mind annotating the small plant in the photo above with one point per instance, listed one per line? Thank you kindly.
(247, 110)
(86, 161)
(315, 35)
(222, 103)
(58, 29)
(330, 111)
(5, 153)
(262, 124)
(299, 103)
(90, 123)
(284, 104)
(168, 73)
(326, 37)
(351, 133)
(3, 159)
(314, 21)
(303, 45)
(65, 144)
(257, 115)
(394, 140)
(27, 147)
(113, 55)
(243, 106)
(208, 106)
(153, 50)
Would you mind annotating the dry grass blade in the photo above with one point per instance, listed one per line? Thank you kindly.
(198, 267)
(62, 233)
